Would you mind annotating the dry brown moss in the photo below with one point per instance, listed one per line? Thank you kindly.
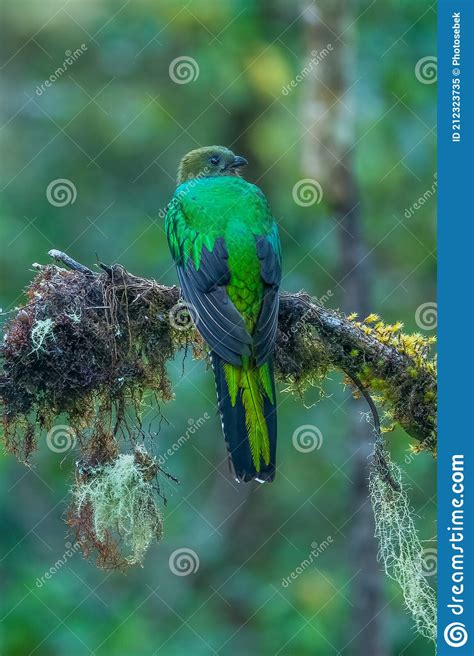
(82, 347)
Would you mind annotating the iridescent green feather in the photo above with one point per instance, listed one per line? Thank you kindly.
(266, 380)
(252, 400)
(232, 378)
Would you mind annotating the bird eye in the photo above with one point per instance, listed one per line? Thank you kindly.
(214, 160)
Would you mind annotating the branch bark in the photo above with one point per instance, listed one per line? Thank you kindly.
(111, 333)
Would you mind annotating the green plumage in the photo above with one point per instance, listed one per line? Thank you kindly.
(225, 243)
(202, 210)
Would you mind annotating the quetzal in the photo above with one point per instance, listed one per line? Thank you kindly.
(224, 241)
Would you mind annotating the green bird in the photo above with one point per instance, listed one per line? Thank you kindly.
(224, 241)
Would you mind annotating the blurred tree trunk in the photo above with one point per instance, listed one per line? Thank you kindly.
(328, 110)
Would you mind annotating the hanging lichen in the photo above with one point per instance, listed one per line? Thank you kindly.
(114, 512)
(399, 547)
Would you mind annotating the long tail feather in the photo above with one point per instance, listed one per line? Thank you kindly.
(257, 432)
(246, 401)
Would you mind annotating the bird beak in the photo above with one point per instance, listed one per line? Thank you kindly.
(238, 162)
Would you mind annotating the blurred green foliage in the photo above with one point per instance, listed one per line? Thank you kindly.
(115, 124)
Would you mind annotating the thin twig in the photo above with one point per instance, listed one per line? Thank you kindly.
(59, 256)
(378, 456)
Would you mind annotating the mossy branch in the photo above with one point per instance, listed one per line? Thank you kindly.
(85, 338)
(391, 365)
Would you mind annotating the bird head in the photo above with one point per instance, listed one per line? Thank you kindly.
(209, 161)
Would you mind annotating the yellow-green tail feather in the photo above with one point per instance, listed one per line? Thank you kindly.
(246, 397)
(253, 384)
(266, 378)
(232, 378)
(252, 400)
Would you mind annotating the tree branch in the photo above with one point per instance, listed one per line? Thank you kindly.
(389, 364)
(87, 343)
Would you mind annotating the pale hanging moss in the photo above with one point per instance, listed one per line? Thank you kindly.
(400, 549)
(122, 499)
(41, 330)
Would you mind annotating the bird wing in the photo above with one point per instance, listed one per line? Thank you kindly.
(269, 253)
(203, 272)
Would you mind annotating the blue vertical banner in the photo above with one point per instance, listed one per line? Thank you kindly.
(456, 327)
